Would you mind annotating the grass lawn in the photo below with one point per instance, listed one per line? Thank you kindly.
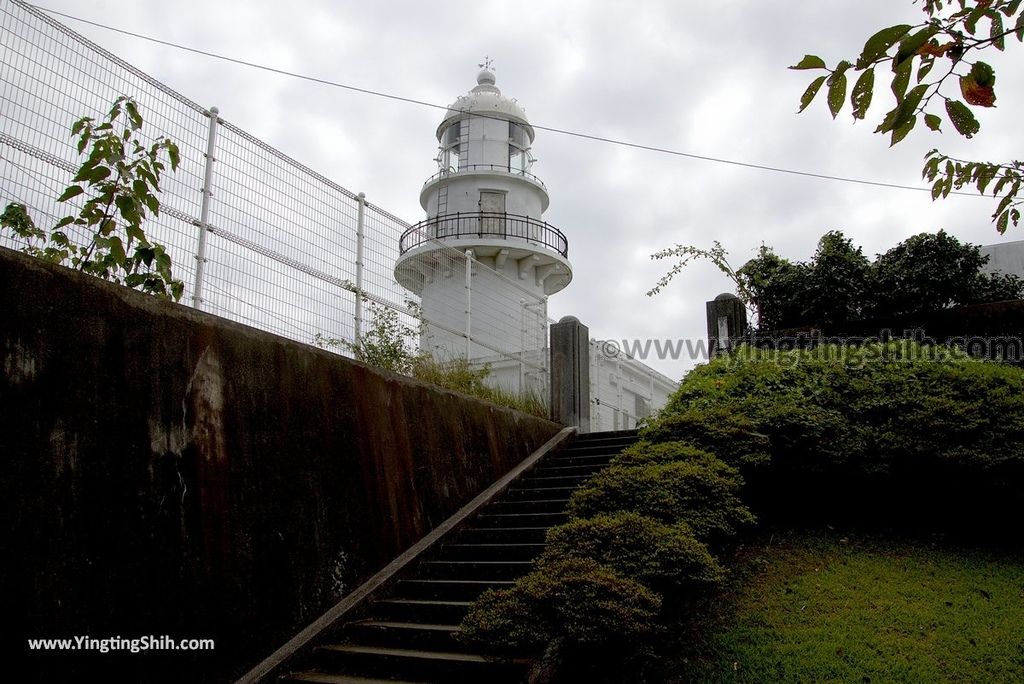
(820, 608)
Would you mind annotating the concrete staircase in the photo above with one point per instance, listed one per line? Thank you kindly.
(409, 636)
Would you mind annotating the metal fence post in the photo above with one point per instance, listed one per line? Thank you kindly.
(360, 226)
(204, 212)
(522, 345)
(469, 304)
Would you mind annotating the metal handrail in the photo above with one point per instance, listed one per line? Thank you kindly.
(484, 224)
(485, 167)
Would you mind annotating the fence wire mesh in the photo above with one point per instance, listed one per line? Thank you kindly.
(285, 250)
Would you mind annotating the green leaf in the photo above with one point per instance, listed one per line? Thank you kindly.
(152, 203)
(900, 133)
(135, 232)
(97, 175)
(809, 94)
(1003, 222)
(173, 155)
(971, 22)
(984, 176)
(66, 221)
(926, 66)
(810, 62)
(933, 122)
(836, 92)
(1005, 202)
(116, 250)
(133, 114)
(145, 254)
(901, 80)
(996, 34)
(860, 98)
(126, 204)
(69, 192)
(897, 119)
(911, 44)
(879, 44)
(962, 118)
(115, 110)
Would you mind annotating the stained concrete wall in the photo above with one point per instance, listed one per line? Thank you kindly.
(164, 471)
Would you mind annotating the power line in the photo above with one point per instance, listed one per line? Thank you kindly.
(550, 129)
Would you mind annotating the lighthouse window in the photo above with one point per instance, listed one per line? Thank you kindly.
(451, 152)
(515, 159)
(516, 135)
(518, 148)
(451, 134)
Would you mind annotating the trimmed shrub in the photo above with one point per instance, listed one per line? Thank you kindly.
(576, 600)
(701, 494)
(663, 557)
(645, 452)
(730, 435)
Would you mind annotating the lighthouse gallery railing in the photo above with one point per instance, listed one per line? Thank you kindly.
(484, 225)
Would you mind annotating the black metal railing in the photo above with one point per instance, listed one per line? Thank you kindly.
(484, 225)
(486, 167)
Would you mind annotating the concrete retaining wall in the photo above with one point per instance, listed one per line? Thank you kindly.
(163, 471)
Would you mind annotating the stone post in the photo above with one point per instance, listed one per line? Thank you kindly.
(570, 373)
(727, 323)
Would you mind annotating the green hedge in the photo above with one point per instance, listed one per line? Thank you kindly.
(926, 431)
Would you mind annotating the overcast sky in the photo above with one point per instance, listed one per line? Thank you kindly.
(704, 78)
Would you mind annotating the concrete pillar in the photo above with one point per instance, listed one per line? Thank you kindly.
(570, 373)
(727, 323)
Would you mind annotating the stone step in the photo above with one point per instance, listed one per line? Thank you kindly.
(568, 459)
(328, 678)
(527, 506)
(421, 610)
(433, 589)
(539, 493)
(555, 470)
(418, 664)
(474, 569)
(490, 551)
(607, 435)
(521, 519)
(422, 636)
(510, 535)
(539, 480)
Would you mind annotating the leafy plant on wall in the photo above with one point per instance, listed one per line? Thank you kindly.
(120, 180)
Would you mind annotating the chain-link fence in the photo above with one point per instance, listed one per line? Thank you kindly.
(255, 236)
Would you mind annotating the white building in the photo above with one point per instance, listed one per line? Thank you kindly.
(623, 390)
(483, 261)
(1004, 257)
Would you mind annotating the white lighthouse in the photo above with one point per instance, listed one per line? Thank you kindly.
(484, 261)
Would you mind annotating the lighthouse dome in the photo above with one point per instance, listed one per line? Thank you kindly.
(485, 99)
